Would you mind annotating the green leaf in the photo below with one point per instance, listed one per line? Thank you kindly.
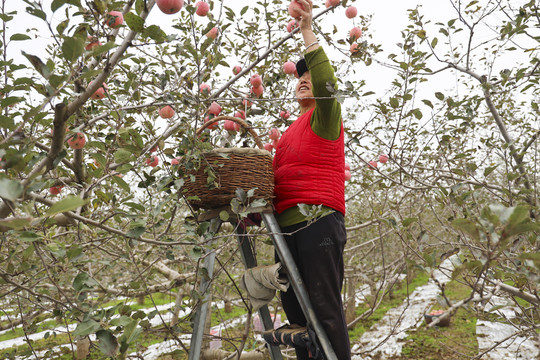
(10, 100)
(107, 342)
(98, 50)
(72, 48)
(466, 226)
(408, 221)
(136, 232)
(155, 33)
(83, 282)
(17, 223)
(135, 22)
(29, 236)
(139, 6)
(6, 122)
(434, 42)
(489, 170)
(56, 4)
(439, 95)
(19, 37)
(10, 189)
(122, 155)
(38, 65)
(71, 202)
(120, 182)
(86, 327)
(394, 102)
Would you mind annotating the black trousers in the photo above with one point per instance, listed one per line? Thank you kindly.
(318, 252)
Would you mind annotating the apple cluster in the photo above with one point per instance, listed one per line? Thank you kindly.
(383, 158)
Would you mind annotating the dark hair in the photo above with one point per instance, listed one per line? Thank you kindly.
(301, 67)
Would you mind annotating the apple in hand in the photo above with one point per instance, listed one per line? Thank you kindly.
(170, 6)
(294, 9)
(77, 141)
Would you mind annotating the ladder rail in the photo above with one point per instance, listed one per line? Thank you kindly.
(297, 283)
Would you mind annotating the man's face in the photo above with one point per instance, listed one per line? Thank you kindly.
(303, 87)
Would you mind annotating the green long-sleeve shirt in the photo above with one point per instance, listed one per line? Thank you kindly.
(326, 118)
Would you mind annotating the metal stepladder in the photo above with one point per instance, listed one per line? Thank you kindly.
(250, 261)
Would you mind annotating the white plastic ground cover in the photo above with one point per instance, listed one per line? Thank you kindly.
(62, 329)
(384, 339)
(489, 333)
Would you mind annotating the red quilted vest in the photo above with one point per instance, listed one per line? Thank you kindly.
(308, 168)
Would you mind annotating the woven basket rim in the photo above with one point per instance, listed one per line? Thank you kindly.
(241, 151)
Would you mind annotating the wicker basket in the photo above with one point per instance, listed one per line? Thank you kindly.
(234, 168)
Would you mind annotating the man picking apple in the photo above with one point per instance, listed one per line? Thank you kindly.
(309, 168)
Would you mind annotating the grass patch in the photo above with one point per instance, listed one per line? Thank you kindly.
(458, 341)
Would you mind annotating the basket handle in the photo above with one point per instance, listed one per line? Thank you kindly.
(242, 123)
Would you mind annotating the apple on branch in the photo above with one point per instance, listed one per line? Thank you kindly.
(170, 6)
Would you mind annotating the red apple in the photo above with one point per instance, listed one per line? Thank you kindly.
(213, 33)
(114, 19)
(204, 89)
(99, 93)
(284, 114)
(176, 160)
(93, 42)
(202, 8)
(268, 147)
(355, 33)
(230, 125)
(247, 103)
(347, 166)
(294, 8)
(236, 69)
(166, 112)
(55, 190)
(274, 134)
(154, 149)
(289, 68)
(351, 12)
(77, 141)
(293, 24)
(383, 158)
(275, 143)
(255, 80)
(372, 165)
(170, 6)
(213, 126)
(347, 175)
(354, 48)
(334, 2)
(257, 91)
(241, 114)
(214, 109)
(152, 161)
